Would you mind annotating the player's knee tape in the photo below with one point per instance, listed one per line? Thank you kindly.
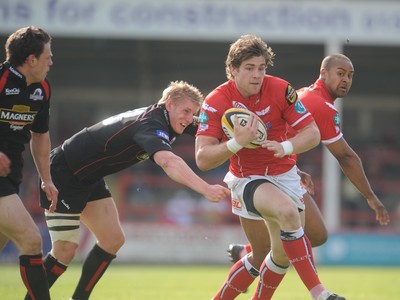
(63, 227)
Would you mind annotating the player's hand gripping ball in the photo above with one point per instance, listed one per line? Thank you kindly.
(243, 115)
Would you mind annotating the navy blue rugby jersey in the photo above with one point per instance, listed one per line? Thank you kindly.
(119, 142)
(22, 109)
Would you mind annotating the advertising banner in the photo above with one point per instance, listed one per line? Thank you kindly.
(289, 21)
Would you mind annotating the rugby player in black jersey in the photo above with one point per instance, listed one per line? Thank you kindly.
(79, 165)
(24, 117)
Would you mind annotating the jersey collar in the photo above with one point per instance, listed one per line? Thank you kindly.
(320, 86)
(20, 78)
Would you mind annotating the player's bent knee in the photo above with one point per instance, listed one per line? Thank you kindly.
(64, 251)
(114, 244)
(31, 244)
(288, 215)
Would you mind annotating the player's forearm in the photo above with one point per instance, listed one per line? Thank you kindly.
(354, 171)
(40, 148)
(210, 152)
(306, 139)
(180, 172)
(211, 156)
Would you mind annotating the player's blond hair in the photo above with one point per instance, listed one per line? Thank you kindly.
(177, 90)
(244, 48)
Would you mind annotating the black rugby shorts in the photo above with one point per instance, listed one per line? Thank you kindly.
(73, 195)
(10, 184)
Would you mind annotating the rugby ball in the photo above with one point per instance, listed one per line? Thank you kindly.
(243, 115)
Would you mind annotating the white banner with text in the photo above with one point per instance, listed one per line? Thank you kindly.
(286, 21)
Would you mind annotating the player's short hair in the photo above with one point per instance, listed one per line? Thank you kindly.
(244, 48)
(177, 90)
(331, 59)
(24, 42)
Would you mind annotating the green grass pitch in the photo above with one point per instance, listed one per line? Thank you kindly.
(181, 282)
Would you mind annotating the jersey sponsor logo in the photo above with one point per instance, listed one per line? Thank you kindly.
(291, 95)
(18, 74)
(299, 107)
(203, 127)
(288, 236)
(14, 91)
(37, 95)
(237, 104)
(162, 134)
(264, 111)
(209, 108)
(236, 204)
(15, 127)
(203, 117)
(336, 119)
(65, 204)
(18, 116)
(299, 259)
(142, 156)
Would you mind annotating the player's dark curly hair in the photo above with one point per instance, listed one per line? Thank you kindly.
(246, 47)
(24, 42)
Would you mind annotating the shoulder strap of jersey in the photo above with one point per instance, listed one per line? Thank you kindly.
(3, 79)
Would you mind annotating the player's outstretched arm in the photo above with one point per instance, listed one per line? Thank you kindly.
(352, 167)
(177, 169)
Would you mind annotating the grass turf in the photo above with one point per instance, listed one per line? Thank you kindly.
(154, 282)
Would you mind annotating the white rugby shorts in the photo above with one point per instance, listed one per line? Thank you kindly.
(289, 183)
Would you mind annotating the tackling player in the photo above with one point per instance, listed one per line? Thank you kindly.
(80, 164)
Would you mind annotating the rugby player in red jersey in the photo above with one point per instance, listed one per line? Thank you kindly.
(265, 186)
(335, 80)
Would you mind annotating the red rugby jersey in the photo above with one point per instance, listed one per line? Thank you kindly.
(277, 105)
(320, 104)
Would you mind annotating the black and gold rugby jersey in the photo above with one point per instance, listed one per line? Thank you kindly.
(119, 142)
(22, 109)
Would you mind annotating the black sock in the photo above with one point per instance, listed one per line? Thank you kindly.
(94, 266)
(34, 276)
(53, 268)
